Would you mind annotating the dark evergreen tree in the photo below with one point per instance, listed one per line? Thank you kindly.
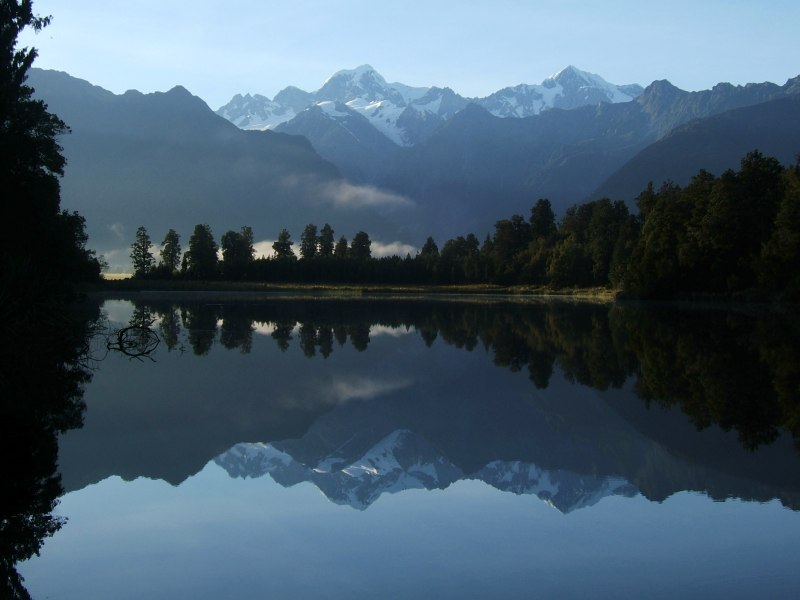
(459, 260)
(171, 252)
(283, 245)
(429, 249)
(326, 241)
(543, 220)
(780, 257)
(654, 269)
(511, 237)
(237, 252)
(360, 246)
(201, 257)
(40, 243)
(309, 242)
(141, 257)
(341, 249)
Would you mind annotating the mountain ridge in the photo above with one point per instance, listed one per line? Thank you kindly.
(390, 106)
(166, 160)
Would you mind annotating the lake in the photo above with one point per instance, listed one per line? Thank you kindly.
(237, 446)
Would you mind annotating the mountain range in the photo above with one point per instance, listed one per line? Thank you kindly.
(408, 115)
(564, 139)
(402, 461)
(397, 161)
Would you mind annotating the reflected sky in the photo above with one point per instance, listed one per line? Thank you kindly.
(215, 537)
(414, 463)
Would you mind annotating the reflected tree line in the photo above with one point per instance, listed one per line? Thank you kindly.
(738, 370)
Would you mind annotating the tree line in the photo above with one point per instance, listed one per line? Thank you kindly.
(738, 232)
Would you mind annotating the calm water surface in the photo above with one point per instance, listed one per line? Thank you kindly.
(355, 449)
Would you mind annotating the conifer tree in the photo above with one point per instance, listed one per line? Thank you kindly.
(309, 242)
(171, 251)
(326, 240)
(141, 257)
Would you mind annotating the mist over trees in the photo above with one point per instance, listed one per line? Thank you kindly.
(736, 233)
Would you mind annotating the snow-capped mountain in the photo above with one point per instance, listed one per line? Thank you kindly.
(402, 461)
(564, 490)
(256, 112)
(567, 89)
(407, 115)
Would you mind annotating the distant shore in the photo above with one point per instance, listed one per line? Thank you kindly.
(113, 286)
(252, 290)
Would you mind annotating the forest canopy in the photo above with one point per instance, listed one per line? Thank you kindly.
(735, 233)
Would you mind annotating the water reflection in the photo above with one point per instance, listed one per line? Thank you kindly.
(738, 370)
(43, 368)
(596, 410)
(295, 404)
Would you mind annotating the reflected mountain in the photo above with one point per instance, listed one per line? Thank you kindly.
(566, 401)
(404, 461)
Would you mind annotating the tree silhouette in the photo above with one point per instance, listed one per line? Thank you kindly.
(283, 245)
(360, 246)
(201, 257)
(171, 252)
(309, 242)
(326, 241)
(40, 242)
(141, 257)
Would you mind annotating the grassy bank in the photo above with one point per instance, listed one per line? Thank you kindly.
(173, 285)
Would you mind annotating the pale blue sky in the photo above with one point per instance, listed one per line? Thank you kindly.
(217, 49)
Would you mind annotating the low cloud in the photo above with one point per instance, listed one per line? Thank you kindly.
(379, 249)
(119, 260)
(365, 388)
(264, 248)
(395, 332)
(347, 195)
(342, 389)
(392, 249)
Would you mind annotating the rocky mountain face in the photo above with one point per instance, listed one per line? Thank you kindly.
(402, 163)
(461, 159)
(715, 144)
(408, 115)
(567, 89)
(403, 461)
(166, 160)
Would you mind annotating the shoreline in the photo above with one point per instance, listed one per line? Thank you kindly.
(253, 290)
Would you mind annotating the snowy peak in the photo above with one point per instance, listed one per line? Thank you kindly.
(294, 98)
(408, 115)
(400, 461)
(587, 88)
(255, 112)
(363, 82)
(403, 460)
(569, 88)
(564, 490)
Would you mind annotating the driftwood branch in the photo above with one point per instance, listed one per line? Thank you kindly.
(135, 341)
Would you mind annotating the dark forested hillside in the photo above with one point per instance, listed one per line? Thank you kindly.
(715, 144)
(476, 162)
(148, 159)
